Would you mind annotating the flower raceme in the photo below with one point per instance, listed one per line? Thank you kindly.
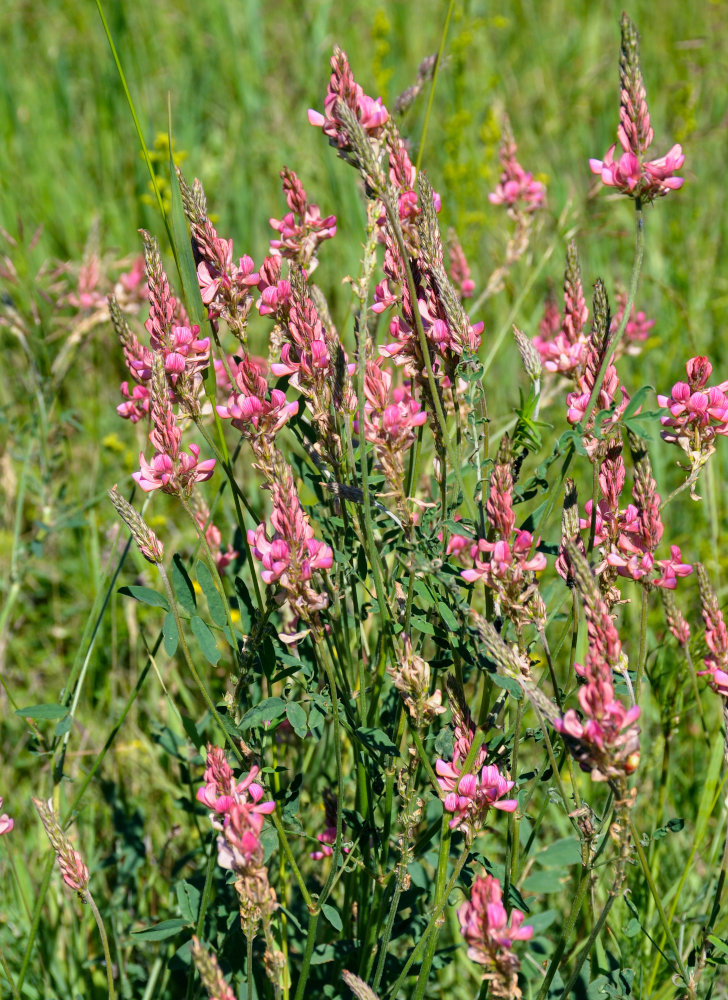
(490, 934)
(632, 173)
(372, 115)
(697, 413)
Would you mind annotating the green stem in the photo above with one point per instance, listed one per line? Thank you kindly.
(439, 907)
(658, 903)
(8, 974)
(643, 642)
(431, 96)
(384, 944)
(439, 887)
(313, 919)
(336, 860)
(104, 942)
(565, 933)
(614, 339)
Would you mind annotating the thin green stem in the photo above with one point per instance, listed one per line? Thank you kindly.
(442, 860)
(436, 70)
(643, 642)
(568, 927)
(658, 903)
(313, 919)
(104, 943)
(8, 974)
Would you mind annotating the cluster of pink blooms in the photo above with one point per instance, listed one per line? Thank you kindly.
(254, 409)
(213, 537)
(171, 469)
(6, 823)
(606, 741)
(516, 187)
(505, 565)
(469, 796)
(129, 289)
(716, 636)
(237, 809)
(184, 354)
(490, 934)
(696, 413)
(371, 114)
(292, 554)
(628, 538)
(632, 173)
(563, 343)
(459, 267)
(302, 229)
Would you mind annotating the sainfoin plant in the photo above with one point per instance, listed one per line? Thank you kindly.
(410, 635)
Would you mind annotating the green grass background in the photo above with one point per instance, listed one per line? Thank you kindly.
(240, 76)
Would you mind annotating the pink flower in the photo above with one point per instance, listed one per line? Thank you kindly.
(6, 823)
(490, 934)
(515, 185)
(372, 114)
(469, 796)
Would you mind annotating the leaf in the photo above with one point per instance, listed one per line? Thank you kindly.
(183, 588)
(64, 725)
(146, 596)
(205, 640)
(448, 617)
(542, 920)
(188, 899)
(377, 740)
(707, 799)
(510, 684)
(212, 594)
(160, 931)
(422, 625)
(171, 634)
(672, 826)
(265, 711)
(564, 851)
(50, 711)
(332, 915)
(546, 881)
(297, 717)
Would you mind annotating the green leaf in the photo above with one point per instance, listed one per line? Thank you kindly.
(564, 851)
(205, 639)
(448, 617)
(188, 899)
(212, 594)
(183, 588)
(510, 684)
(146, 596)
(171, 634)
(718, 943)
(707, 798)
(160, 931)
(297, 717)
(547, 881)
(64, 725)
(332, 915)
(377, 740)
(49, 711)
(421, 624)
(265, 711)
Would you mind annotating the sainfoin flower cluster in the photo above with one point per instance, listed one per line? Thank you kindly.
(490, 933)
(632, 173)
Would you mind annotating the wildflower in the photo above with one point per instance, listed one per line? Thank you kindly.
(632, 173)
(210, 972)
(171, 469)
(411, 676)
(302, 229)
(469, 796)
(696, 414)
(292, 555)
(565, 352)
(516, 187)
(253, 408)
(675, 619)
(716, 636)
(342, 88)
(328, 837)
(6, 823)
(459, 269)
(509, 563)
(73, 870)
(606, 741)
(490, 933)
